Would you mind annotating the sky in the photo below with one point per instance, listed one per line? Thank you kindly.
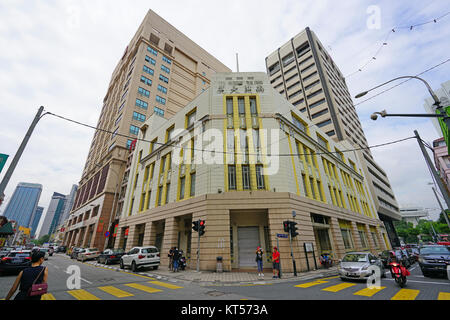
(60, 54)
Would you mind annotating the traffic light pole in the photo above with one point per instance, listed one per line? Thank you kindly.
(198, 249)
(19, 152)
(292, 254)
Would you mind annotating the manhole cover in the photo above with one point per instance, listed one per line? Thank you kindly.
(215, 293)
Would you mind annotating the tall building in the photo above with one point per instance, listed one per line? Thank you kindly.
(242, 158)
(442, 161)
(68, 204)
(54, 212)
(22, 205)
(443, 93)
(161, 71)
(36, 219)
(303, 72)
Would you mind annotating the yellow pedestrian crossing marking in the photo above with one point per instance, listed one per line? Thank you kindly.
(444, 296)
(165, 285)
(311, 284)
(339, 287)
(143, 288)
(48, 296)
(406, 294)
(116, 292)
(369, 292)
(82, 295)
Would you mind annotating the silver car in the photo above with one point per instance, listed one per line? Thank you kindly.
(357, 265)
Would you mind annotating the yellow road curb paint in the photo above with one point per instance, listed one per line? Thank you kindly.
(310, 284)
(116, 292)
(143, 288)
(48, 296)
(369, 292)
(444, 296)
(82, 295)
(339, 287)
(406, 294)
(165, 285)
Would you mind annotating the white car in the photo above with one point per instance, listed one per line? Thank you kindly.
(87, 254)
(45, 250)
(139, 257)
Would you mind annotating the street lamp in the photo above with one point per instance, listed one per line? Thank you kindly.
(384, 114)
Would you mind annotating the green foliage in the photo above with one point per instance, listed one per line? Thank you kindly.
(41, 240)
(424, 228)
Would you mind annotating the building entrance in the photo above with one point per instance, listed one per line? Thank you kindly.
(248, 241)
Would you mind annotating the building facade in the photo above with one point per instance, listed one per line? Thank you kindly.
(36, 219)
(413, 214)
(304, 73)
(443, 93)
(442, 161)
(23, 203)
(54, 212)
(160, 72)
(68, 204)
(242, 158)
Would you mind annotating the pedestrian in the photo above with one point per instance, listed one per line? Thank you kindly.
(259, 261)
(170, 255)
(276, 263)
(36, 274)
(176, 257)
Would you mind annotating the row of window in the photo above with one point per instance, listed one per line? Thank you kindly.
(246, 181)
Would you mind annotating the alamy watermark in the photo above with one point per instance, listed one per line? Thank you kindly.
(374, 20)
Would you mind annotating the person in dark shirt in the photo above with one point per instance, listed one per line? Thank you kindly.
(259, 261)
(28, 276)
(176, 257)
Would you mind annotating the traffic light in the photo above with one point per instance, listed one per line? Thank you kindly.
(293, 229)
(202, 227)
(286, 225)
(196, 226)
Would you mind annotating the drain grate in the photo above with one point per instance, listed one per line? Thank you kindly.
(215, 293)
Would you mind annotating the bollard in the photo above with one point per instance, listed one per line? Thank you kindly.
(219, 266)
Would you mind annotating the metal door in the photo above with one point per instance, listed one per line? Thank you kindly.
(248, 241)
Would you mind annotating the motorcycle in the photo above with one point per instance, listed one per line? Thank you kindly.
(182, 261)
(399, 273)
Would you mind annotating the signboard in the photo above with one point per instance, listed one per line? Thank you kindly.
(3, 158)
(116, 227)
(283, 236)
(309, 247)
(100, 227)
(126, 232)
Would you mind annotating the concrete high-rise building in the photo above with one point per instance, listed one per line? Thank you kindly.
(54, 212)
(161, 71)
(304, 73)
(242, 158)
(22, 205)
(443, 93)
(36, 219)
(68, 204)
(413, 214)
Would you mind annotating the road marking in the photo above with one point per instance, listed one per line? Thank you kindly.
(339, 287)
(330, 278)
(48, 296)
(138, 275)
(311, 284)
(116, 292)
(427, 282)
(369, 292)
(165, 285)
(86, 280)
(406, 294)
(444, 296)
(82, 295)
(142, 287)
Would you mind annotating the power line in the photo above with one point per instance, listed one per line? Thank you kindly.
(399, 84)
(225, 152)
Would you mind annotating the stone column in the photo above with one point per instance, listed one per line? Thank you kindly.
(336, 238)
(372, 246)
(355, 236)
(150, 234)
(170, 239)
(131, 242)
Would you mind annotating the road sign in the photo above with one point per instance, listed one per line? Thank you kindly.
(282, 235)
(3, 158)
(107, 234)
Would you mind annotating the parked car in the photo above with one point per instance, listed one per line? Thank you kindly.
(415, 253)
(110, 256)
(4, 251)
(434, 259)
(50, 251)
(75, 252)
(15, 261)
(355, 265)
(60, 249)
(140, 257)
(46, 251)
(88, 254)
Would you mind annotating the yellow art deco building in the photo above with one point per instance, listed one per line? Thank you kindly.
(242, 158)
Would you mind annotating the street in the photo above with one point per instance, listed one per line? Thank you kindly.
(109, 283)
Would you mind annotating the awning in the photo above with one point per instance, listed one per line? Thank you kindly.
(7, 229)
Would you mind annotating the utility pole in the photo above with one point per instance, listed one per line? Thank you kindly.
(442, 209)
(19, 152)
(433, 170)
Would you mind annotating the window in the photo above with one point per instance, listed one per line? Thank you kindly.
(232, 177)
(138, 116)
(182, 186)
(152, 51)
(193, 185)
(253, 108)
(146, 81)
(299, 124)
(162, 78)
(311, 85)
(230, 106)
(169, 133)
(303, 49)
(191, 117)
(162, 89)
(274, 68)
(121, 106)
(325, 123)
(159, 111)
(112, 147)
(241, 105)
(318, 114)
(288, 59)
(118, 120)
(141, 104)
(115, 133)
(160, 100)
(129, 142)
(134, 130)
(314, 94)
(144, 92)
(331, 133)
(307, 68)
(150, 60)
(318, 103)
(148, 70)
(124, 95)
(362, 235)
(165, 69)
(246, 177)
(260, 177)
(295, 94)
(160, 190)
(165, 59)
(347, 237)
(167, 194)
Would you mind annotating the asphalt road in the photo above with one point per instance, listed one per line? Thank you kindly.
(100, 283)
